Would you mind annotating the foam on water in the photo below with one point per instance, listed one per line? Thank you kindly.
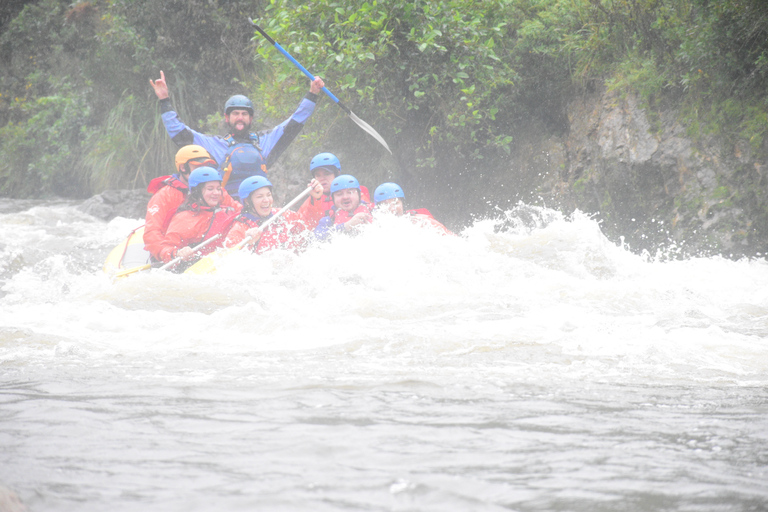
(546, 293)
(528, 363)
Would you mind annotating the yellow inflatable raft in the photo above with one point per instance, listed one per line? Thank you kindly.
(129, 256)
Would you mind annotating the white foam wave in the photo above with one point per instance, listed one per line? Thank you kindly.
(539, 293)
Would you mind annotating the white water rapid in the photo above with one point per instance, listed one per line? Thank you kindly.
(525, 365)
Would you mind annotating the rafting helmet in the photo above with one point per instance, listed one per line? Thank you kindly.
(343, 182)
(387, 191)
(238, 101)
(203, 175)
(192, 152)
(325, 160)
(250, 185)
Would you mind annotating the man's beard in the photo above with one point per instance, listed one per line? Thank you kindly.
(240, 134)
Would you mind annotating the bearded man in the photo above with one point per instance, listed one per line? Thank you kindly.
(241, 153)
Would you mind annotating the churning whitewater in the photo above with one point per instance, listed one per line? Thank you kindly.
(527, 364)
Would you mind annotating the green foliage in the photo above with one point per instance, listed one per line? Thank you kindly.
(76, 112)
(710, 58)
(430, 69)
(127, 151)
(37, 149)
(448, 83)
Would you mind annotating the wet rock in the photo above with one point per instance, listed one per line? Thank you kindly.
(109, 204)
(651, 184)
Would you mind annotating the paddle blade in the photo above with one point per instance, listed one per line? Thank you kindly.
(206, 265)
(368, 128)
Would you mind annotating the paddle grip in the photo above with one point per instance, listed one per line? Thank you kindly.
(195, 248)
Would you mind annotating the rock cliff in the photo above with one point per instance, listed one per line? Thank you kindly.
(651, 184)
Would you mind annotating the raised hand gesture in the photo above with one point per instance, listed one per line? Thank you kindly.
(160, 87)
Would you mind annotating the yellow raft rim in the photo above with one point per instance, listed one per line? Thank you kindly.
(129, 256)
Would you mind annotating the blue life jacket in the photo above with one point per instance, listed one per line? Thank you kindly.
(255, 220)
(243, 160)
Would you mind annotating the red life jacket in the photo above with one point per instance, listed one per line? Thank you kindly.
(284, 233)
(420, 211)
(172, 180)
(423, 217)
(342, 216)
(221, 222)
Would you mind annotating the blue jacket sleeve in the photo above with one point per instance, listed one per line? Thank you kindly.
(274, 142)
(326, 227)
(182, 135)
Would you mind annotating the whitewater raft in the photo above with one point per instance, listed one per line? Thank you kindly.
(129, 256)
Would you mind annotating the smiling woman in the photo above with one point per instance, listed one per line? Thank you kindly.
(199, 217)
(289, 232)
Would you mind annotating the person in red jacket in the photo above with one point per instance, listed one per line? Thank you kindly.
(389, 198)
(200, 217)
(325, 167)
(287, 232)
(349, 210)
(170, 191)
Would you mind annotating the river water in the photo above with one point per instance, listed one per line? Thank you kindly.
(528, 364)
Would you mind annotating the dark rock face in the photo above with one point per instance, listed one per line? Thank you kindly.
(655, 187)
(109, 204)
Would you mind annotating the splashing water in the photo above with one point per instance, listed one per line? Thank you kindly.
(527, 364)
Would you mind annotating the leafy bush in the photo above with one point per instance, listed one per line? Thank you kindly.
(448, 83)
(76, 112)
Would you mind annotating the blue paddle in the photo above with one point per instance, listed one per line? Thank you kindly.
(362, 124)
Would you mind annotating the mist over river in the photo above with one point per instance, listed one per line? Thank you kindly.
(528, 364)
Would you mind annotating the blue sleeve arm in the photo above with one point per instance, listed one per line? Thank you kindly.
(183, 135)
(274, 142)
(325, 227)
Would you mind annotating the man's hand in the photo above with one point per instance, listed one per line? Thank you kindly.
(317, 189)
(160, 87)
(254, 233)
(357, 219)
(185, 253)
(314, 87)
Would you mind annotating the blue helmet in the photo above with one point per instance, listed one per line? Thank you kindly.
(387, 191)
(203, 175)
(343, 182)
(238, 101)
(325, 160)
(249, 185)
